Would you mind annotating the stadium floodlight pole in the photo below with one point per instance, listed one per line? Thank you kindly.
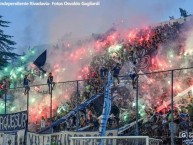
(77, 103)
(136, 110)
(172, 108)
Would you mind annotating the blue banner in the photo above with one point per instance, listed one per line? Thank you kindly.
(106, 107)
(73, 112)
(15, 121)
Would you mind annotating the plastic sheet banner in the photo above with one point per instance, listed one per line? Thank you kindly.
(106, 107)
(20, 137)
(12, 122)
(1, 138)
(63, 138)
(7, 138)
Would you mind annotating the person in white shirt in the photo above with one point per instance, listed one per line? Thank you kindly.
(43, 122)
(133, 73)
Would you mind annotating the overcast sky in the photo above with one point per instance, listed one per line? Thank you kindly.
(40, 25)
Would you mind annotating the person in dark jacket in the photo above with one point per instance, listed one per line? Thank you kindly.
(26, 84)
(116, 71)
(50, 82)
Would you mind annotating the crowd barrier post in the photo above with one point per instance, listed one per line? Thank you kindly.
(172, 108)
(136, 110)
(27, 122)
(5, 100)
(51, 109)
(77, 103)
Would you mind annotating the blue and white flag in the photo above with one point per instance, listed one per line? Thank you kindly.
(106, 108)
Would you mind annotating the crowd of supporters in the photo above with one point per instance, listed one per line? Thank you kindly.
(154, 124)
(129, 54)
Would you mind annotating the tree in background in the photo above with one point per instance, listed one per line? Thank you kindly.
(6, 45)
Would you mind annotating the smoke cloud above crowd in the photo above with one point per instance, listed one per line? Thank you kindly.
(80, 40)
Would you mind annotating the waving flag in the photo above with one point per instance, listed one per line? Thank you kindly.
(41, 60)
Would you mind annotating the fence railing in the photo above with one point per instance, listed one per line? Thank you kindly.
(156, 94)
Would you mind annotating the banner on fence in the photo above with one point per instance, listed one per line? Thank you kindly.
(15, 121)
(63, 138)
(20, 137)
(106, 107)
(1, 138)
(7, 138)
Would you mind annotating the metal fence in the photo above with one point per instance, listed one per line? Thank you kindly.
(167, 94)
(157, 93)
